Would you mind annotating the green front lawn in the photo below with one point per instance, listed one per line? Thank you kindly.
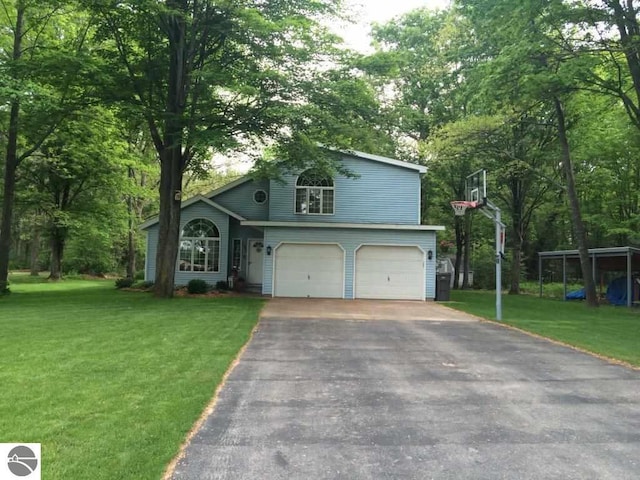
(109, 381)
(610, 331)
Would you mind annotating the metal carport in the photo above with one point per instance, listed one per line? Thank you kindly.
(615, 259)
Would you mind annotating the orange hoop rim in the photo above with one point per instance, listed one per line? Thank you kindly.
(460, 206)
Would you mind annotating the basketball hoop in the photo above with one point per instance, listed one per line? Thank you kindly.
(460, 206)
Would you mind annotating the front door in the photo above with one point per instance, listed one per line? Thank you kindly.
(254, 262)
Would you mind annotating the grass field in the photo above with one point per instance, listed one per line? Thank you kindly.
(610, 331)
(111, 381)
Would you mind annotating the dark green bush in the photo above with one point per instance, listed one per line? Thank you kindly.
(197, 286)
(222, 285)
(124, 282)
(142, 285)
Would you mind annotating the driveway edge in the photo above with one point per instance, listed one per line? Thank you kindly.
(208, 410)
(611, 360)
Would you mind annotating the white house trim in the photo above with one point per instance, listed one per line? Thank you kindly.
(146, 258)
(364, 226)
(198, 198)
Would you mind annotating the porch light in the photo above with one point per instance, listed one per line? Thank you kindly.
(268, 249)
(430, 254)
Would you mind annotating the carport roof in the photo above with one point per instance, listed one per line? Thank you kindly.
(611, 258)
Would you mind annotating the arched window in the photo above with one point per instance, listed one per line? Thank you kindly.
(199, 247)
(314, 193)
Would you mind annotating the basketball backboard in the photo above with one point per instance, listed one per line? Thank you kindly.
(476, 187)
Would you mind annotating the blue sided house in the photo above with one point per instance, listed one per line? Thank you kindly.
(311, 235)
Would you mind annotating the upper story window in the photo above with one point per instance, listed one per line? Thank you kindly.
(259, 196)
(314, 193)
(199, 247)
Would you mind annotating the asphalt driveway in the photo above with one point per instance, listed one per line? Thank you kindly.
(322, 398)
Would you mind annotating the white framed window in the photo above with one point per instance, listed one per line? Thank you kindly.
(199, 247)
(260, 196)
(315, 193)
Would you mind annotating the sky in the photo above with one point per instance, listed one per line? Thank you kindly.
(356, 36)
(366, 12)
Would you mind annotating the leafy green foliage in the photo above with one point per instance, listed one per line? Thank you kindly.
(46, 74)
(197, 286)
(124, 282)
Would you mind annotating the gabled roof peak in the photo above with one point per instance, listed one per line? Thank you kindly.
(381, 159)
(195, 199)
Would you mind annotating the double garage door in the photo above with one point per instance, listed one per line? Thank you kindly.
(318, 271)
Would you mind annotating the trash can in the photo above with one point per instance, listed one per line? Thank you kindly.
(443, 287)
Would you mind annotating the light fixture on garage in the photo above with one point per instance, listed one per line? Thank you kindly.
(268, 249)
(430, 254)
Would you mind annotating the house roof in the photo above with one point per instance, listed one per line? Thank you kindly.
(228, 186)
(369, 226)
(198, 198)
(239, 181)
(353, 153)
(388, 161)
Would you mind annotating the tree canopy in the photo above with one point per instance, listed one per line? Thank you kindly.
(127, 102)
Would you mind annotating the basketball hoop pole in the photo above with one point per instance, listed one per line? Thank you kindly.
(496, 215)
(499, 227)
(476, 194)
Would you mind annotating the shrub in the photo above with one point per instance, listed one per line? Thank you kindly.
(222, 285)
(124, 282)
(197, 286)
(142, 285)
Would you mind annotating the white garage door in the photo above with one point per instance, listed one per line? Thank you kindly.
(390, 272)
(309, 270)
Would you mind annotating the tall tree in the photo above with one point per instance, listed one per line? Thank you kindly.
(526, 59)
(204, 74)
(455, 151)
(77, 170)
(418, 67)
(42, 66)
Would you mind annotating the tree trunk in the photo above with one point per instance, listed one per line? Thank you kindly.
(574, 202)
(467, 250)
(516, 252)
(10, 165)
(169, 223)
(172, 157)
(627, 23)
(516, 259)
(131, 252)
(57, 251)
(131, 244)
(35, 252)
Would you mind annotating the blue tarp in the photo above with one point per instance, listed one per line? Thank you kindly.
(576, 295)
(617, 291)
